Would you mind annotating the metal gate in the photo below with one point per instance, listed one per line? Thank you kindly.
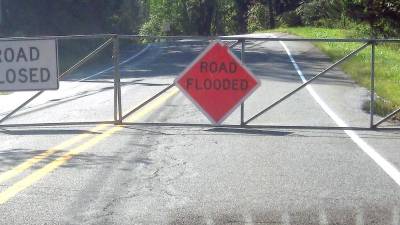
(119, 118)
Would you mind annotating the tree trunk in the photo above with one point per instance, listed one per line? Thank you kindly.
(271, 15)
(242, 7)
(219, 29)
(206, 16)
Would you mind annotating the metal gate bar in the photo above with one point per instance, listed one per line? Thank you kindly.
(244, 37)
(234, 44)
(387, 118)
(372, 81)
(209, 38)
(307, 83)
(86, 58)
(118, 117)
(372, 102)
(147, 101)
(117, 83)
(239, 40)
(239, 127)
(242, 52)
(172, 85)
(55, 124)
(283, 127)
(21, 106)
(71, 69)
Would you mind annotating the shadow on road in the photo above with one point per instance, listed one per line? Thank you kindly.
(362, 214)
(249, 131)
(45, 132)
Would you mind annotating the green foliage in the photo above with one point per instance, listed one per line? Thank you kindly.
(360, 30)
(289, 19)
(382, 15)
(321, 12)
(128, 17)
(152, 27)
(226, 14)
(151, 17)
(217, 17)
(179, 17)
(256, 17)
(192, 17)
(242, 8)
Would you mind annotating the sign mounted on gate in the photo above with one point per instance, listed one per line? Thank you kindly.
(217, 82)
(28, 65)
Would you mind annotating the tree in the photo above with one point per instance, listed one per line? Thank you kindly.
(275, 8)
(242, 14)
(62, 17)
(194, 17)
(379, 14)
(202, 15)
(312, 11)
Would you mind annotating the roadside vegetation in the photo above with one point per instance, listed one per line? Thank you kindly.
(354, 19)
(347, 19)
(387, 66)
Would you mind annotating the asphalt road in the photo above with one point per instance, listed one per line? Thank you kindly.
(107, 174)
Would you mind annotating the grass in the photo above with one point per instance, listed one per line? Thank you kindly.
(387, 63)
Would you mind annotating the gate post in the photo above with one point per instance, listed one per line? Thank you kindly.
(372, 101)
(242, 52)
(117, 83)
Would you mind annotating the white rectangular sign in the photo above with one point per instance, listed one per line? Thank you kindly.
(28, 65)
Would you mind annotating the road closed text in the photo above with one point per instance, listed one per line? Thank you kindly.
(26, 75)
(28, 65)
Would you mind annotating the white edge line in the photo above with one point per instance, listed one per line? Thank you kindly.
(122, 63)
(323, 219)
(285, 218)
(391, 170)
(247, 218)
(395, 216)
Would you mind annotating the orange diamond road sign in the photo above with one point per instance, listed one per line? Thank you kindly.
(217, 82)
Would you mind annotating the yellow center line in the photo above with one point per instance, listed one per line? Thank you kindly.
(32, 161)
(40, 173)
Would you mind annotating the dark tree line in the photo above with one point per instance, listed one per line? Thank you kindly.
(191, 17)
(50, 17)
(383, 16)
